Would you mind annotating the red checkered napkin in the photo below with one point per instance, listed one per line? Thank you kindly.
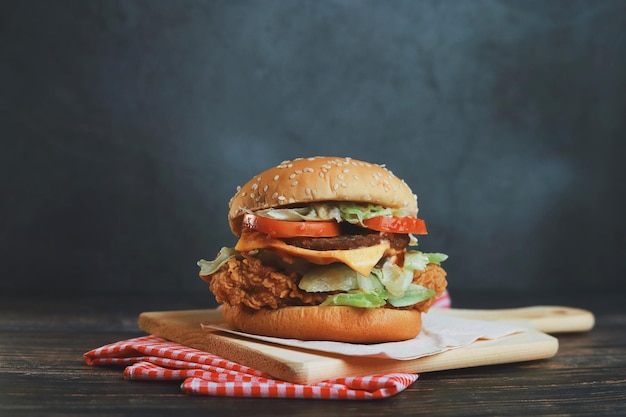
(154, 358)
(202, 373)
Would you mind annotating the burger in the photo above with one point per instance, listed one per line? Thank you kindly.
(323, 254)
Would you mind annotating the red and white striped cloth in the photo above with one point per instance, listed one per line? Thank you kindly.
(153, 358)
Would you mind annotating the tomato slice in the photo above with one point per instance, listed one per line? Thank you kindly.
(285, 229)
(391, 224)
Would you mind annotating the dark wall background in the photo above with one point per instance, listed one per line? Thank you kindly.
(125, 127)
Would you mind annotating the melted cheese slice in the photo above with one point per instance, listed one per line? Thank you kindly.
(362, 260)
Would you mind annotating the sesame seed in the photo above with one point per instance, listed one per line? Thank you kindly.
(293, 184)
(276, 177)
(265, 188)
(292, 200)
(308, 191)
(356, 177)
(307, 169)
(255, 186)
(344, 185)
(298, 171)
(252, 195)
(335, 186)
(340, 176)
(274, 195)
(243, 194)
(345, 170)
(281, 198)
(292, 176)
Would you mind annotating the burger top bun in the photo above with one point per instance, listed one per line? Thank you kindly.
(317, 179)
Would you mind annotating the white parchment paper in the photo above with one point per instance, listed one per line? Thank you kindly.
(439, 334)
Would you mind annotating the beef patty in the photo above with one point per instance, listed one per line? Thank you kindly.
(350, 241)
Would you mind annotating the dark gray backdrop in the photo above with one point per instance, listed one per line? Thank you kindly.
(126, 125)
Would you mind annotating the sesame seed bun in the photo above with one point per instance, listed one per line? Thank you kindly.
(318, 179)
(335, 323)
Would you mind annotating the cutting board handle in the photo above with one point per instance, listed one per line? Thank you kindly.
(548, 319)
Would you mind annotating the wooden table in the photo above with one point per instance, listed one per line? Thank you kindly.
(42, 371)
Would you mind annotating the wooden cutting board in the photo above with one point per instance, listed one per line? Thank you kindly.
(308, 366)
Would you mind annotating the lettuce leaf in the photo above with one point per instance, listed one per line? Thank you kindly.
(210, 267)
(386, 283)
(337, 277)
(414, 294)
(436, 257)
(417, 261)
(356, 299)
(349, 212)
(395, 279)
(333, 277)
(314, 212)
(356, 213)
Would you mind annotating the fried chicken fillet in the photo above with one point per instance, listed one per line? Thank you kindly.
(249, 282)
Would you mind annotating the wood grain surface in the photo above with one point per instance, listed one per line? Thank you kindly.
(43, 373)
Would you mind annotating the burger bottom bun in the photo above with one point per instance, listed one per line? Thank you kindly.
(335, 323)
